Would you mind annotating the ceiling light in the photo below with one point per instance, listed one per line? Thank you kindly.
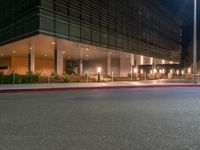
(14, 52)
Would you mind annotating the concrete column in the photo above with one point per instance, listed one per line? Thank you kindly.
(81, 67)
(132, 61)
(58, 61)
(31, 60)
(109, 59)
(124, 64)
(154, 64)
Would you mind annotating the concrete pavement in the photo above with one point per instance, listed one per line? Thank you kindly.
(105, 85)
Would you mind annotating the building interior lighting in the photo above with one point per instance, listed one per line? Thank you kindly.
(189, 70)
(163, 71)
(142, 60)
(177, 72)
(151, 72)
(142, 71)
(135, 70)
(171, 71)
(151, 60)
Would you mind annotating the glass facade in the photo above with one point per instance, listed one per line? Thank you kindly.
(18, 18)
(135, 26)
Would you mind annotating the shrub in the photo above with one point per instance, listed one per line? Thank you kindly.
(65, 79)
(28, 78)
(6, 79)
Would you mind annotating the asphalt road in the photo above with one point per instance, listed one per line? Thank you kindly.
(123, 119)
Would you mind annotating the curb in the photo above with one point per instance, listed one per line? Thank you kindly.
(96, 88)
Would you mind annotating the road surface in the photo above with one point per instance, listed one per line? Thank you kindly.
(120, 119)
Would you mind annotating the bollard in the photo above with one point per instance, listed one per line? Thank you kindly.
(14, 78)
(49, 79)
(99, 77)
(87, 76)
(112, 76)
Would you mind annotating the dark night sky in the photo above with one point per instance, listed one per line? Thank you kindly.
(184, 10)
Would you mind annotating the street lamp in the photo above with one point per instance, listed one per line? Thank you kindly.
(195, 42)
(99, 73)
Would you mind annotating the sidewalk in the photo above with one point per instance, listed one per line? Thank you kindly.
(6, 88)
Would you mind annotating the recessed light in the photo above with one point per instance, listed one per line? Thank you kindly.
(2, 54)
(63, 52)
(87, 49)
(14, 52)
(53, 43)
(45, 55)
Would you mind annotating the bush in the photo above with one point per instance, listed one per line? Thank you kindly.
(19, 79)
(6, 79)
(65, 79)
(74, 78)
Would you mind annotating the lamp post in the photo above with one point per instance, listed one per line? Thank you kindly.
(99, 74)
(195, 42)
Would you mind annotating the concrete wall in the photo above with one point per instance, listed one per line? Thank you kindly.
(19, 64)
(91, 66)
(5, 62)
(44, 66)
(115, 66)
(125, 65)
(119, 67)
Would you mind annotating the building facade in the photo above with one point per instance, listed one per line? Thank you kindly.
(76, 36)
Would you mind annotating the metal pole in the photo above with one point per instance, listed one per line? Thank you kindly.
(112, 76)
(87, 76)
(14, 78)
(195, 42)
(99, 77)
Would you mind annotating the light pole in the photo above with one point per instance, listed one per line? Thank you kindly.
(195, 42)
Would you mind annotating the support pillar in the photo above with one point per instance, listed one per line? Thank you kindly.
(109, 58)
(154, 64)
(31, 60)
(58, 61)
(132, 61)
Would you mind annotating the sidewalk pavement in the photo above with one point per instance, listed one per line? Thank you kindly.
(6, 88)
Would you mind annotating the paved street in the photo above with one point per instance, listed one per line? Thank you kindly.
(120, 119)
(52, 86)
